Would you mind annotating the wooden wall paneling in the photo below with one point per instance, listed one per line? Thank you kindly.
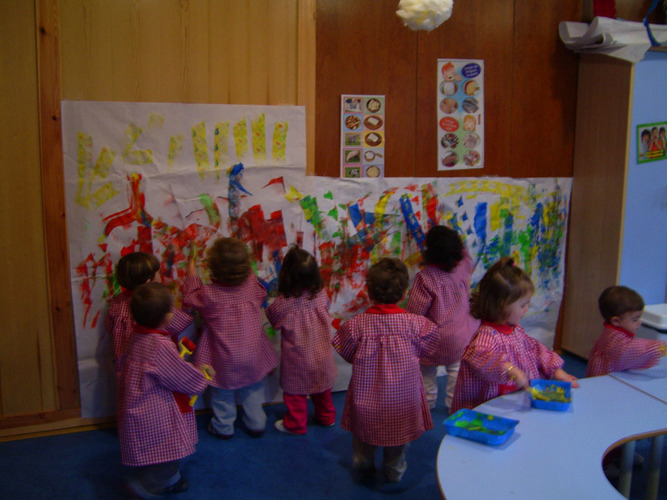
(306, 70)
(26, 356)
(57, 257)
(478, 29)
(543, 90)
(363, 48)
(597, 203)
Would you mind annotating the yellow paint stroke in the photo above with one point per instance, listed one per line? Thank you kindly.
(381, 205)
(220, 147)
(104, 194)
(200, 149)
(259, 137)
(241, 138)
(87, 173)
(139, 156)
(279, 141)
(155, 121)
(293, 194)
(175, 149)
(84, 161)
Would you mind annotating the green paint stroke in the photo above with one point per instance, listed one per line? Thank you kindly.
(312, 213)
(211, 210)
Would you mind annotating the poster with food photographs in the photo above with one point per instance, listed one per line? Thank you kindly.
(362, 136)
(460, 114)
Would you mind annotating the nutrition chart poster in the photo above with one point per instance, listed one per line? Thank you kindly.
(362, 137)
(460, 114)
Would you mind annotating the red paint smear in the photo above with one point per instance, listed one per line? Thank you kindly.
(431, 207)
(257, 232)
(412, 187)
(336, 323)
(277, 180)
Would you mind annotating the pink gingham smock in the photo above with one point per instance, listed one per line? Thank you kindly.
(151, 427)
(483, 376)
(233, 341)
(119, 324)
(444, 298)
(385, 403)
(307, 363)
(617, 349)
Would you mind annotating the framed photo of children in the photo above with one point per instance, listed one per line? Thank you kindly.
(362, 126)
(460, 114)
(651, 142)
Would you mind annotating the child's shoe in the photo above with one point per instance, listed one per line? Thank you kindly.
(322, 424)
(178, 487)
(215, 433)
(280, 425)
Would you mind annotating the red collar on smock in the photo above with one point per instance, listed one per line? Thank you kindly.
(628, 333)
(502, 328)
(385, 309)
(145, 329)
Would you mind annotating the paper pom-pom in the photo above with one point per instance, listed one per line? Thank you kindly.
(424, 14)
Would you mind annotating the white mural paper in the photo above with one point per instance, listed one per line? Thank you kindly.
(171, 178)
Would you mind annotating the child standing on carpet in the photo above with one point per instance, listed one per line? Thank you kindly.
(501, 357)
(301, 312)
(155, 432)
(385, 403)
(132, 270)
(617, 349)
(233, 340)
(441, 292)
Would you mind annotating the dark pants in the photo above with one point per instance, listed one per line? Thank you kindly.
(148, 480)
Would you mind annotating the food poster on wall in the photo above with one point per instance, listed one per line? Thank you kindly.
(171, 178)
(362, 136)
(651, 142)
(460, 98)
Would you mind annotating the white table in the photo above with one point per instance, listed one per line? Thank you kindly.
(551, 455)
(652, 381)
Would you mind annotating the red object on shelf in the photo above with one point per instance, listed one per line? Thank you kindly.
(604, 8)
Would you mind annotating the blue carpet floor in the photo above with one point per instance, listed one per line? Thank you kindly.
(85, 465)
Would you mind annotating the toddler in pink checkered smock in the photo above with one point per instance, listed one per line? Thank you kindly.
(155, 430)
(617, 348)
(385, 403)
(132, 270)
(233, 340)
(501, 357)
(441, 292)
(301, 313)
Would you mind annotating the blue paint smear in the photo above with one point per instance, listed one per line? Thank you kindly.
(411, 221)
(480, 222)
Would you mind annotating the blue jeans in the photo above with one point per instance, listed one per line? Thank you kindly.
(223, 404)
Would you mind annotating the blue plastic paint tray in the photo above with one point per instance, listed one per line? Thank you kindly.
(482, 427)
(550, 394)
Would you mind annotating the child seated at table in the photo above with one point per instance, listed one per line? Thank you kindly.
(501, 357)
(617, 348)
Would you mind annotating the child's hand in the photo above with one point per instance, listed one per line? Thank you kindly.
(519, 377)
(563, 376)
(208, 371)
(192, 269)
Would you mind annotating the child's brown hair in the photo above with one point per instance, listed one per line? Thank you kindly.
(503, 284)
(229, 261)
(444, 247)
(387, 281)
(136, 268)
(150, 304)
(299, 273)
(618, 300)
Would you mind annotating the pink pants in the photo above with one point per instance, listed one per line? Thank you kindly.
(297, 412)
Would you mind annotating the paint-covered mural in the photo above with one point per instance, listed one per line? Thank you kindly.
(171, 178)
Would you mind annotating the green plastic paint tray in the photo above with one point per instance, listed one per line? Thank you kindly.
(481, 427)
